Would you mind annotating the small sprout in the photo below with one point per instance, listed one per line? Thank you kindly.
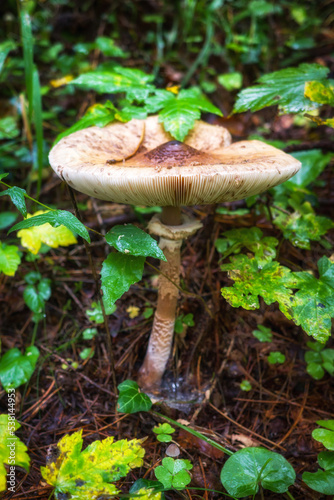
(263, 334)
(86, 353)
(89, 333)
(319, 360)
(133, 311)
(163, 432)
(182, 321)
(245, 386)
(276, 357)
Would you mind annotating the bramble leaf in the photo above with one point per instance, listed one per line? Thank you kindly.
(90, 473)
(119, 272)
(17, 196)
(174, 473)
(132, 240)
(284, 87)
(320, 92)
(131, 399)
(249, 468)
(8, 443)
(264, 248)
(16, 368)
(9, 259)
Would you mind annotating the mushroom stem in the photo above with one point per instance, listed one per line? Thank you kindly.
(172, 228)
(161, 338)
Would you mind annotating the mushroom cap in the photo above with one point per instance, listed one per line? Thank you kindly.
(138, 163)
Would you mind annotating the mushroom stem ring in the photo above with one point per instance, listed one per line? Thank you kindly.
(160, 343)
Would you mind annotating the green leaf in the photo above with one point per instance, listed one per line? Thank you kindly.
(248, 468)
(276, 357)
(5, 48)
(326, 435)
(108, 48)
(321, 93)
(90, 473)
(55, 218)
(119, 272)
(86, 353)
(9, 442)
(16, 368)
(131, 240)
(33, 299)
(7, 219)
(284, 87)
(231, 81)
(263, 334)
(245, 385)
(264, 248)
(9, 259)
(17, 195)
(252, 279)
(313, 163)
(116, 79)
(322, 480)
(98, 114)
(130, 399)
(89, 333)
(163, 432)
(9, 128)
(315, 370)
(173, 473)
(313, 305)
(180, 112)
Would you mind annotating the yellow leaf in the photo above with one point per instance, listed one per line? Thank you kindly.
(174, 89)
(62, 81)
(133, 311)
(33, 237)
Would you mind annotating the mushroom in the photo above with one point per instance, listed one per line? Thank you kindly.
(139, 163)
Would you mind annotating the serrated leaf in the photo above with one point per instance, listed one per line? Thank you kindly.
(249, 468)
(322, 480)
(98, 114)
(173, 473)
(54, 228)
(284, 88)
(8, 443)
(16, 368)
(90, 473)
(119, 272)
(131, 240)
(131, 399)
(180, 112)
(9, 259)
(313, 305)
(320, 92)
(17, 195)
(263, 248)
(134, 82)
(252, 279)
(148, 493)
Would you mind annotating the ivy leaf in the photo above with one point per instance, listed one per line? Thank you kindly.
(118, 273)
(284, 87)
(252, 279)
(248, 468)
(264, 249)
(326, 435)
(321, 93)
(98, 114)
(180, 112)
(17, 196)
(9, 259)
(322, 480)
(16, 368)
(303, 226)
(163, 432)
(9, 442)
(313, 305)
(90, 473)
(174, 473)
(131, 240)
(133, 82)
(131, 399)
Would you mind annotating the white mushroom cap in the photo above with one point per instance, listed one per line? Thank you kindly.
(204, 169)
